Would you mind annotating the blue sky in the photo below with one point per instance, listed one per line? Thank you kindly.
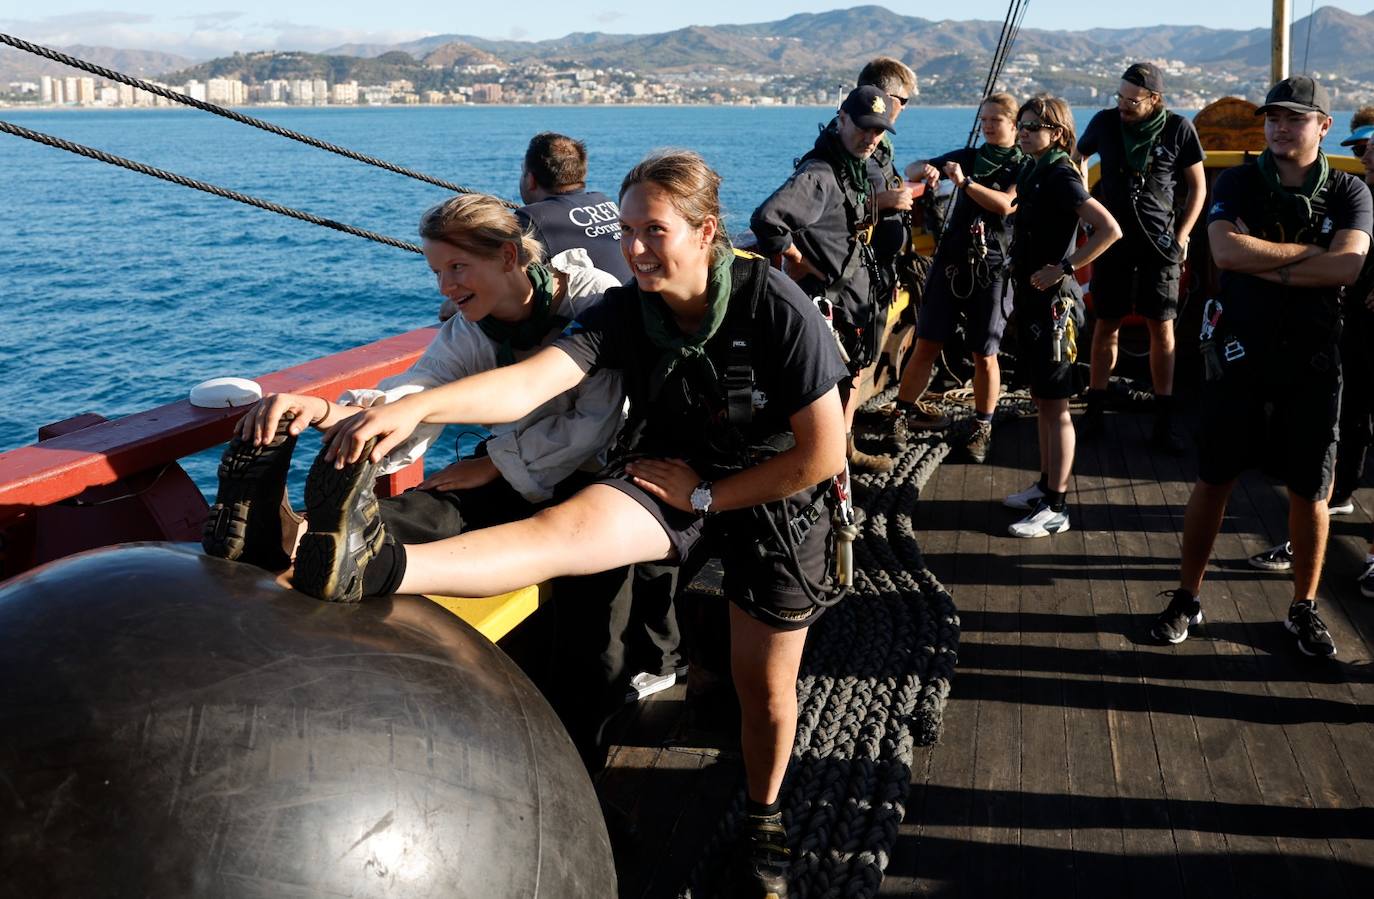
(212, 29)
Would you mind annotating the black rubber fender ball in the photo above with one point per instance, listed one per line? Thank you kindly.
(177, 725)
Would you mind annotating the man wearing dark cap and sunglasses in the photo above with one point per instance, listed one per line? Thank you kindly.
(1147, 154)
(821, 220)
(1288, 232)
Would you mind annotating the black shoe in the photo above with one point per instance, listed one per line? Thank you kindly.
(760, 870)
(1304, 623)
(1165, 438)
(1184, 611)
(1094, 423)
(244, 524)
(979, 442)
(345, 529)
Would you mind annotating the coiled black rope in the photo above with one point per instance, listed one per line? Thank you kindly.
(102, 156)
(112, 75)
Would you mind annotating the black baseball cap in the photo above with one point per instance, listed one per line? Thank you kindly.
(1298, 93)
(1146, 75)
(868, 107)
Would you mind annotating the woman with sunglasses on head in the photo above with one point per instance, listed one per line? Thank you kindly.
(1051, 202)
(734, 434)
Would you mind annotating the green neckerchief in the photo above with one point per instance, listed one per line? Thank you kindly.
(991, 158)
(1032, 168)
(1139, 137)
(1294, 203)
(524, 335)
(668, 339)
(854, 167)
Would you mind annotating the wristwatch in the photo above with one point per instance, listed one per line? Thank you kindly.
(1066, 267)
(701, 499)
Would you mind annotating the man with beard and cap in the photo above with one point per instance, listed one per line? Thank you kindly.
(1288, 233)
(1147, 154)
(821, 220)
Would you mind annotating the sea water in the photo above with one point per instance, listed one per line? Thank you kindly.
(119, 292)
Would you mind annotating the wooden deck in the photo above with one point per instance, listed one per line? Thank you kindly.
(1078, 758)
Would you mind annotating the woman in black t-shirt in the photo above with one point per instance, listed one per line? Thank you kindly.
(694, 303)
(1051, 201)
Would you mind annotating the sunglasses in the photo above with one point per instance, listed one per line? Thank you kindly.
(1132, 102)
(1035, 127)
(1357, 149)
(901, 101)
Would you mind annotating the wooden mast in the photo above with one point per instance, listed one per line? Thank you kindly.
(1279, 36)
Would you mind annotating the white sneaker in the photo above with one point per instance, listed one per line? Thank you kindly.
(1026, 499)
(1041, 522)
(646, 684)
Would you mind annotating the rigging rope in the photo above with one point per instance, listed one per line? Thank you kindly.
(167, 93)
(102, 156)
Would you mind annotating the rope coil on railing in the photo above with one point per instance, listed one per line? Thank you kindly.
(167, 93)
(102, 156)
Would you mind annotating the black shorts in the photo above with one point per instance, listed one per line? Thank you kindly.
(1288, 427)
(763, 585)
(987, 308)
(1035, 339)
(424, 516)
(1127, 278)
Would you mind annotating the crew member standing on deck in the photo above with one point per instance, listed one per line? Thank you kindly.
(1147, 154)
(1051, 200)
(967, 271)
(821, 219)
(1288, 232)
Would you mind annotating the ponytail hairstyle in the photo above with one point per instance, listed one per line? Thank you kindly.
(480, 225)
(692, 187)
(1053, 111)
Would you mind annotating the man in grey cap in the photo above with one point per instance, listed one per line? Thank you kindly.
(1147, 154)
(1288, 232)
(820, 221)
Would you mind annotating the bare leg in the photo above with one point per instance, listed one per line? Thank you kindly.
(598, 529)
(1161, 356)
(1201, 524)
(764, 662)
(1308, 525)
(1057, 442)
(987, 383)
(1105, 334)
(916, 375)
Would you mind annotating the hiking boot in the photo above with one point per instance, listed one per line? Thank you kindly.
(1366, 580)
(1275, 558)
(245, 523)
(1026, 499)
(646, 684)
(980, 442)
(1304, 623)
(345, 529)
(1043, 521)
(760, 870)
(862, 461)
(1184, 611)
(915, 418)
(1341, 505)
(1165, 437)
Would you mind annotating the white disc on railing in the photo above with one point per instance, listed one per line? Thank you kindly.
(217, 393)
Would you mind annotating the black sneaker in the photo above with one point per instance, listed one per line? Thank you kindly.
(760, 870)
(1094, 422)
(244, 524)
(1366, 581)
(1304, 623)
(1341, 505)
(1165, 437)
(345, 529)
(1275, 558)
(1184, 611)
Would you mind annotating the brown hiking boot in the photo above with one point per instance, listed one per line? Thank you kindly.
(862, 461)
(980, 442)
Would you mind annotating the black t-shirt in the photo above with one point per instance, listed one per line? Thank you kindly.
(794, 357)
(586, 219)
(891, 231)
(1045, 218)
(1177, 148)
(1268, 315)
(996, 230)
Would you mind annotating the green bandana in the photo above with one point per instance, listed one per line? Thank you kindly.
(1294, 203)
(663, 332)
(524, 335)
(1031, 170)
(1139, 137)
(854, 168)
(992, 158)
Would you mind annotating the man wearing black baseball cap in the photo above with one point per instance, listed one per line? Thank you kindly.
(1147, 154)
(821, 219)
(1288, 232)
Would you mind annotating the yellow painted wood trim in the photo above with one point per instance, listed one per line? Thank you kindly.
(496, 616)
